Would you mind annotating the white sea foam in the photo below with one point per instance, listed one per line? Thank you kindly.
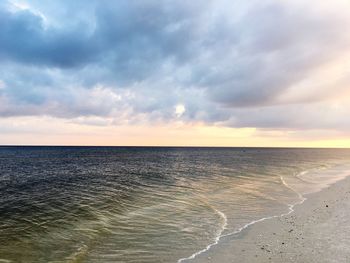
(300, 177)
(216, 241)
(219, 236)
(293, 190)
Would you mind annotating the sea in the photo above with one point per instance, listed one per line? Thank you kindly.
(148, 204)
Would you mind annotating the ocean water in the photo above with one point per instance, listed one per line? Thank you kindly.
(134, 204)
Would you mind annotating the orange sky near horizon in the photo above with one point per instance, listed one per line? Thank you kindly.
(53, 131)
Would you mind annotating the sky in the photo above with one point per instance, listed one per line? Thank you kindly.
(161, 72)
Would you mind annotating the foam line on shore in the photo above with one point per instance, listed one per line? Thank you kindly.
(217, 239)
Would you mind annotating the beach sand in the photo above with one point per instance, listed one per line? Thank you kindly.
(317, 231)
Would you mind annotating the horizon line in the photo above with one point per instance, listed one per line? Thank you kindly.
(170, 146)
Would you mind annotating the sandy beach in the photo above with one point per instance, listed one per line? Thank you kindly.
(317, 231)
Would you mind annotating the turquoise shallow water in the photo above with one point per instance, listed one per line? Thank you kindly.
(120, 204)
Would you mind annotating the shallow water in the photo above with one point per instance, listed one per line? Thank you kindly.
(120, 204)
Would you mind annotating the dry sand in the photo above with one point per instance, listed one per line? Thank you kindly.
(317, 231)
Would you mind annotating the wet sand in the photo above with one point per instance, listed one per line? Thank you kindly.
(317, 231)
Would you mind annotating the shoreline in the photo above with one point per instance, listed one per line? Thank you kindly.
(299, 235)
(217, 240)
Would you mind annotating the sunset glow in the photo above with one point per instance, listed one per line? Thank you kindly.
(167, 73)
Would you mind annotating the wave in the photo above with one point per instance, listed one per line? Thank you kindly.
(217, 239)
(220, 236)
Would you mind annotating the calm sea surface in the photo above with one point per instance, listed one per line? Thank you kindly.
(133, 204)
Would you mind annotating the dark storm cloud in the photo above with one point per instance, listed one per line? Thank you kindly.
(24, 39)
(226, 62)
(126, 35)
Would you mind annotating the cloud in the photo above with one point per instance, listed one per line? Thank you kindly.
(267, 64)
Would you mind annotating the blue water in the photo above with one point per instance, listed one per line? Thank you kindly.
(134, 204)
